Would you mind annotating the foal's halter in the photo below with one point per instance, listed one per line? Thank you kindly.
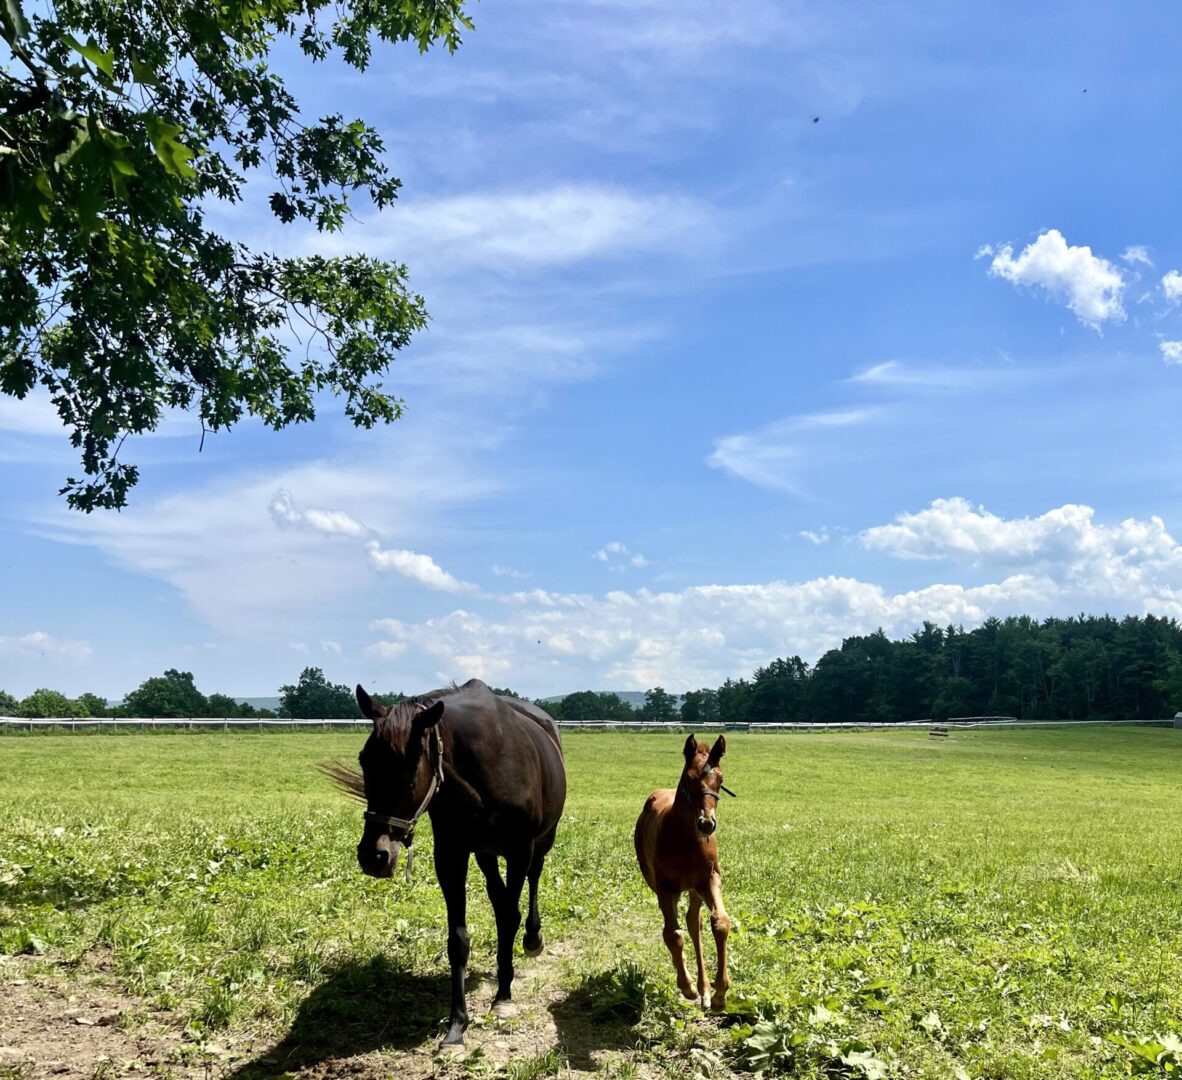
(707, 791)
(405, 827)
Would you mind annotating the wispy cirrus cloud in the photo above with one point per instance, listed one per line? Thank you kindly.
(515, 231)
(617, 557)
(769, 456)
(40, 643)
(898, 375)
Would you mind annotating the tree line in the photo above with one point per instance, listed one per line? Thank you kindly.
(1079, 668)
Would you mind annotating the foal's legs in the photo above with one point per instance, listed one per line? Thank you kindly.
(451, 867)
(693, 920)
(506, 899)
(675, 941)
(720, 923)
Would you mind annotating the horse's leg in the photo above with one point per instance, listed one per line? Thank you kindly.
(675, 941)
(492, 879)
(508, 913)
(693, 921)
(720, 923)
(451, 867)
(532, 942)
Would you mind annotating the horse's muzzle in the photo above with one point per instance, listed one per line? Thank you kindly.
(378, 860)
(707, 825)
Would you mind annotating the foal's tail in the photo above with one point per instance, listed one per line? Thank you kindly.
(640, 839)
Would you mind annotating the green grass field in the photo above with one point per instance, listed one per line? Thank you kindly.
(997, 904)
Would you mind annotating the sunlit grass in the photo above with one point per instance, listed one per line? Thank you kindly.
(1003, 903)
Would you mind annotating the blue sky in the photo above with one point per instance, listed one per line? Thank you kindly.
(707, 382)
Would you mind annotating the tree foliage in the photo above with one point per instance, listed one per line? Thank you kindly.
(660, 707)
(48, 703)
(121, 124)
(172, 694)
(313, 697)
(1081, 668)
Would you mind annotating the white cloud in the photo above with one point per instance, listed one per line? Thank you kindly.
(39, 643)
(508, 571)
(534, 230)
(695, 637)
(618, 557)
(770, 456)
(1171, 285)
(1171, 351)
(1091, 286)
(1137, 253)
(329, 522)
(219, 546)
(895, 374)
(331, 647)
(417, 567)
(817, 538)
(1061, 562)
(33, 415)
(1125, 562)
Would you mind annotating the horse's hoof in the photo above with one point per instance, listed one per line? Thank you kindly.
(533, 948)
(717, 1003)
(688, 992)
(452, 1049)
(504, 1010)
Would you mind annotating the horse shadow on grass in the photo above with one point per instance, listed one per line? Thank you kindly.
(601, 1013)
(358, 1008)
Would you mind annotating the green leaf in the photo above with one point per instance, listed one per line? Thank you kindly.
(174, 156)
(14, 20)
(104, 61)
(144, 74)
(81, 135)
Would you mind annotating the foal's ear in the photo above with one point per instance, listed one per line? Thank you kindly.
(428, 718)
(369, 708)
(691, 749)
(717, 750)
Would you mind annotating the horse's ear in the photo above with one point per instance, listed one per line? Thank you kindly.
(428, 718)
(691, 748)
(717, 750)
(369, 708)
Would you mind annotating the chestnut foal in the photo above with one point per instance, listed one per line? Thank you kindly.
(677, 849)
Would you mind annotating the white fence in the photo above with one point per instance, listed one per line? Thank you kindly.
(206, 723)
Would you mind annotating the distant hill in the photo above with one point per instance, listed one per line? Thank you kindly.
(635, 698)
(271, 703)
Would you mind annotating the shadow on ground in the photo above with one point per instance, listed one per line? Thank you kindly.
(358, 1008)
(596, 1016)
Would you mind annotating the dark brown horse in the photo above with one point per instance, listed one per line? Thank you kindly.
(677, 848)
(489, 773)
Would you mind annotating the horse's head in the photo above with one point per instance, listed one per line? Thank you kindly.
(402, 765)
(702, 781)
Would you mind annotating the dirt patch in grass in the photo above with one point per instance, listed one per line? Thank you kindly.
(74, 1024)
(330, 1041)
(70, 1026)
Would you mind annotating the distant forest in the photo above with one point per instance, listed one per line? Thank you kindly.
(1085, 668)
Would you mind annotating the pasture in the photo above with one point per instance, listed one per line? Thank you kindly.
(997, 904)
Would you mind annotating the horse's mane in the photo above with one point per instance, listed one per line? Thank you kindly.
(393, 728)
